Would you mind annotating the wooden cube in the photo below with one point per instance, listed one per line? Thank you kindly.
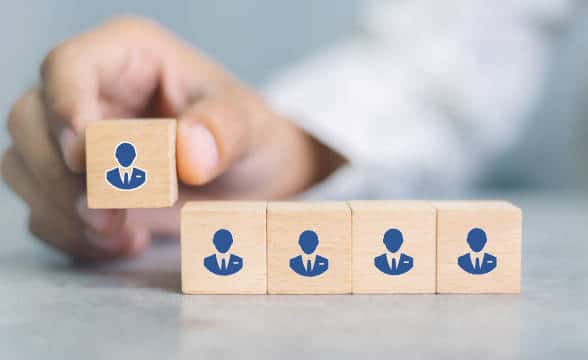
(131, 163)
(309, 248)
(393, 247)
(224, 247)
(478, 247)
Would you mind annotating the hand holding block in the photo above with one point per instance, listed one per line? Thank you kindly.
(131, 163)
(478, 247)
(394, 247)
(309, 248)
(224, 247)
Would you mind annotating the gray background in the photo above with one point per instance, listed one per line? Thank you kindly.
(242, 34)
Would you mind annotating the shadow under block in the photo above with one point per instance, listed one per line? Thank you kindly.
(478, 247)
(207, 229)
(299, 232)
(150, 181)
(393, 247)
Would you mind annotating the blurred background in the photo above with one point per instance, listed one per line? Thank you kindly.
(244, 37)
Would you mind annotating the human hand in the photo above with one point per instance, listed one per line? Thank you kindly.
(230, 145)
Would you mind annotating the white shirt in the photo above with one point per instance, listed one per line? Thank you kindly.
(306, 258)
(477, 255)
(426, 97)
(390, 256)
(125, 170)
(219, 259)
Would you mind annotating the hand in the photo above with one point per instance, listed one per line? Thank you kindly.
(230, 145)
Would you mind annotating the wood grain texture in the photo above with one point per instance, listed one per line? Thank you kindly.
(247, 223)
(332, 223)
(416, 220)
(501, 222)
(154, 140)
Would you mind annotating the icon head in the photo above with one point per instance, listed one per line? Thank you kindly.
(477, 239)
(308, 241)
(222, 240)
(393, 240)
(125, 154)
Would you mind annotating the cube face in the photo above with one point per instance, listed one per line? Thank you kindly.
(478, 247)
(309, 248)
(394, 247)
(224, 248)
(131, 163)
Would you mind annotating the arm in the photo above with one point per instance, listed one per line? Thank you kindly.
(424, 106)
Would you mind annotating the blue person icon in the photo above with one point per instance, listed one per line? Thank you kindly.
(223, 263)
(306, 264)
(474, 262)
(125, 176)
(391, 263)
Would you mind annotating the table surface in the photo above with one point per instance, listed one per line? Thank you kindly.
(54, 309)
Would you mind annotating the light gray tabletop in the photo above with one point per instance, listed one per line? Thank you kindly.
(51, 309)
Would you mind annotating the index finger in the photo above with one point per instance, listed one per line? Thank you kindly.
(108, 72)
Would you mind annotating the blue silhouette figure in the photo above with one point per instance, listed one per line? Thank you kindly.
(308, 241)
(397, 266)
(223, 240)
(125, 177)
(477, 241)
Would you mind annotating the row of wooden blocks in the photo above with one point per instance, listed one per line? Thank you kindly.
(296, 248)
(360, 247)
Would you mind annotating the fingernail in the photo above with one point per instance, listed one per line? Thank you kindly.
(203, 150)
(98, 219)
(70, 142)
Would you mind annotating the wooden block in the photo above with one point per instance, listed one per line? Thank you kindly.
(131, 163)
(478, 247)
(233, 231)
(393, 247)
(301, 231)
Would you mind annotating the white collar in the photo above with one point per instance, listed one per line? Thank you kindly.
(477, 255)
(219, 258)
(125, 170)
(306, 258)
(390, 256)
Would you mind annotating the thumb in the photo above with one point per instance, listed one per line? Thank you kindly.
(213, 133)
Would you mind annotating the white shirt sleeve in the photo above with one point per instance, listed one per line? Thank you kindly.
(425, 97)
